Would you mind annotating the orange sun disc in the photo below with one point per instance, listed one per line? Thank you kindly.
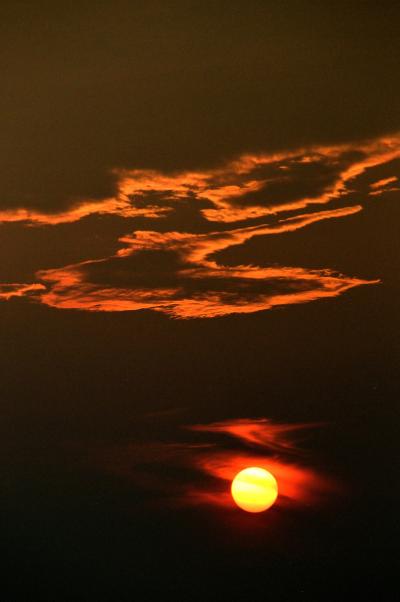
(254, 489)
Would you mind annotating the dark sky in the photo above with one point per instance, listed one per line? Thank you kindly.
(88, 87)
(199, 208)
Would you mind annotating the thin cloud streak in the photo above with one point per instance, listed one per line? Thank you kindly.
(7, 291)
(120, 206)
(258, 432)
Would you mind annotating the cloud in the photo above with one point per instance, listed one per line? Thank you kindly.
(384, 185)
(170, 269)
(198, 473)
(119, 205)
(296, 483)
(175, 273)
(259, 432)
(249, 187)
(7, 291)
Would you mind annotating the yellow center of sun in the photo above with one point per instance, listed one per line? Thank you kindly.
(254, 489)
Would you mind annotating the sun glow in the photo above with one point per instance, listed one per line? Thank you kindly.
(254, 489)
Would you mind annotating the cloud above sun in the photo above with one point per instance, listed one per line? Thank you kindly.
(176, 274)
(174, 265)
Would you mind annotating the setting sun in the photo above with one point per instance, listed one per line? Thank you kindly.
(254, 489)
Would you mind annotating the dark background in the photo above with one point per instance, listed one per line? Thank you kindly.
(90, 86)
(97, 85)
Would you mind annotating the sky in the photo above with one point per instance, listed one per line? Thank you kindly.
(199, 207)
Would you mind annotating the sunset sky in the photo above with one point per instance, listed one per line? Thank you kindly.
(199, 226)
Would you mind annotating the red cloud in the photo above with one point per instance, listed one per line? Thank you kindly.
(259, 432)
(201, 473)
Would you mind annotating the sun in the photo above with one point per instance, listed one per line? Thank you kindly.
(254, 489)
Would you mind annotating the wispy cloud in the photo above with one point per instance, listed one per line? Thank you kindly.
(384, 185)
(258, 432)
(201, 473)
(7, 291)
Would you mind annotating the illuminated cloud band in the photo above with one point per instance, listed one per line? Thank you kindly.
(168, 269)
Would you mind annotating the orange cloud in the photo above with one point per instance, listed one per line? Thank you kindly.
(258, 432)
(229, 188)
(237, 179)
(197, 248)
(198, 286)
(7, 291)
(381, 186)
(120, 206)
(266, 194)
(383, 183)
